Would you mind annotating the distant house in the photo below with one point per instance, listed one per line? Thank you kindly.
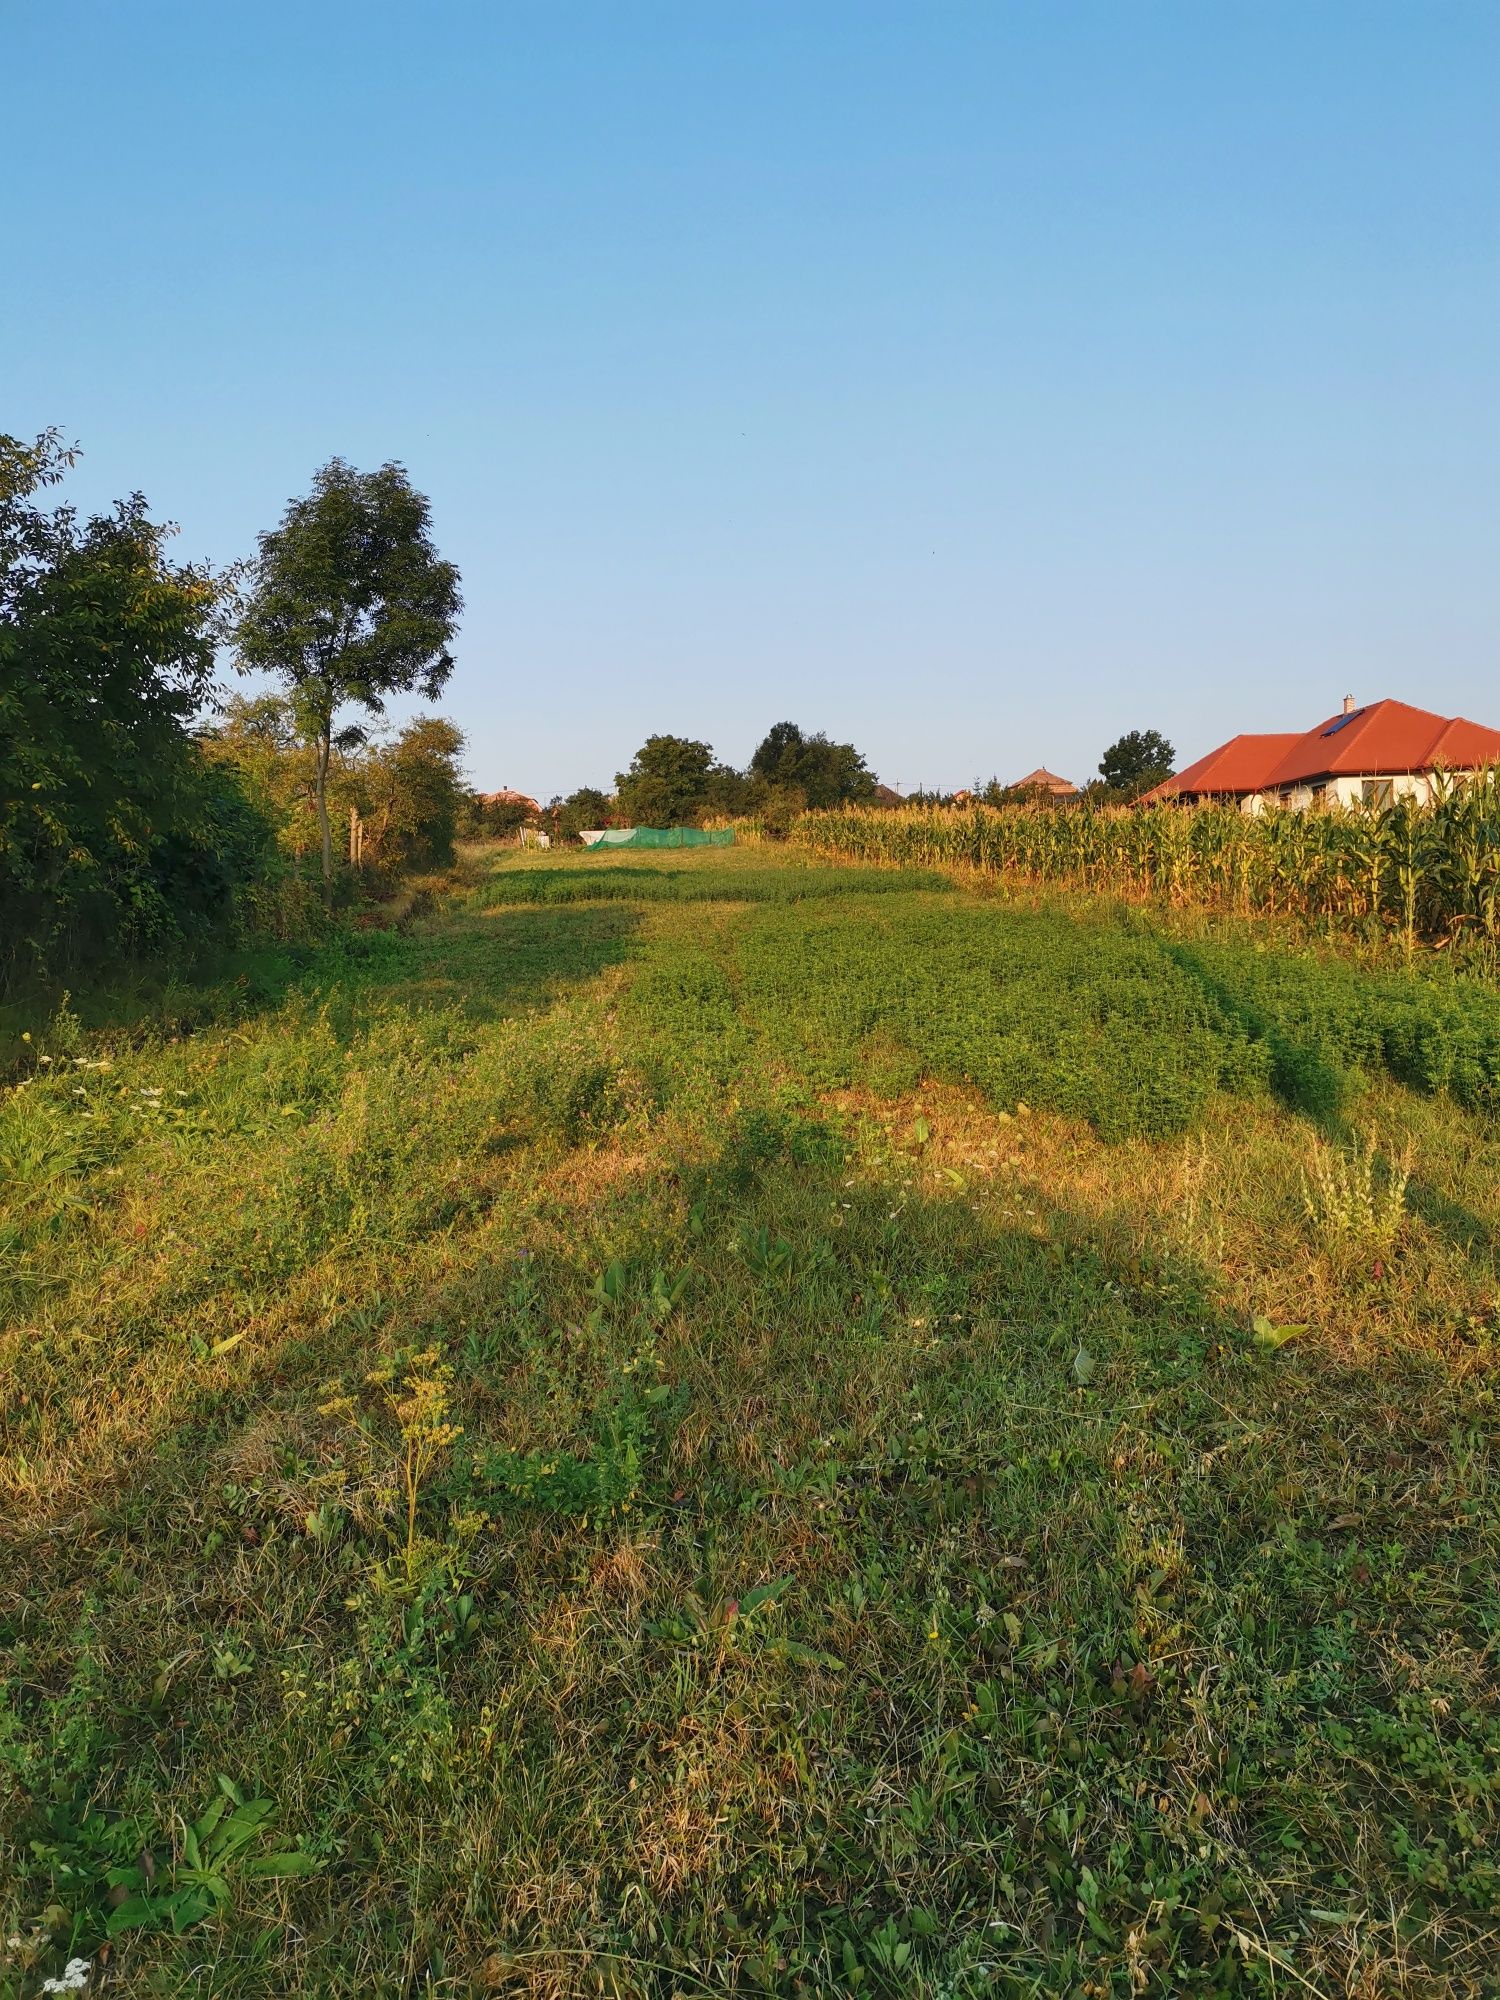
(505, 797)
(1366, 755)
(1044, 781)
(885, 795)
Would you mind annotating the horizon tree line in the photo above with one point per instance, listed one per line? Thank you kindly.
(144, 807)
(677, 781)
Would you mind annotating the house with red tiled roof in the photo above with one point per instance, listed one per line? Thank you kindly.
(1043, 780)
(1366, 755)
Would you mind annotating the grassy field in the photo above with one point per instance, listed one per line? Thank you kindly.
(718, 1423)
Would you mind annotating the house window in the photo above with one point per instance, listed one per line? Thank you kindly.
(1378, 791)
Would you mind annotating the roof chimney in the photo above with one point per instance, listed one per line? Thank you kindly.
(1348, 704)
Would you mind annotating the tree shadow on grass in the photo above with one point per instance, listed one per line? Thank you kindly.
(506, 962)
(1451, 1220)
(1303, 1078)
(742, 880)
(967, 1419)
(511, 961)
(1001, 1472)
(1311, 1083)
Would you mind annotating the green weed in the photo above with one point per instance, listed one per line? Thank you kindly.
(1354, 1199)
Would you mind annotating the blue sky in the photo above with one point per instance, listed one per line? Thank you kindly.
(972, 381)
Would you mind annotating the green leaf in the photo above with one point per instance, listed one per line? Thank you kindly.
(273, 1866)
(239, 1830)
(667, 1292)
(1268, 1334)
(808, 1656)
(763, 1593)
(202, 1827)
(190, 1906)
(133, 1912)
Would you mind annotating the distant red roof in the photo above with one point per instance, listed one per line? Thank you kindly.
(1043, 780)
(1241, 765)
(506, 797)
(1384, 738)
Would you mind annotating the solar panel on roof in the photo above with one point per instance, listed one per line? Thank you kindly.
(1344, 721)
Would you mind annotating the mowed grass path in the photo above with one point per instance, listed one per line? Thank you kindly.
(974, 1476)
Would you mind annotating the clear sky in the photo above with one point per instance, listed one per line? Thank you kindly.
(972, 381)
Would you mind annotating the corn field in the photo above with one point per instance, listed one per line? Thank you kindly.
(1416, 870)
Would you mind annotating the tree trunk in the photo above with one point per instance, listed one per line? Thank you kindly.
(325, 745)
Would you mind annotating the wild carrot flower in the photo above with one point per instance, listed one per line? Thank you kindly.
(74, 1977)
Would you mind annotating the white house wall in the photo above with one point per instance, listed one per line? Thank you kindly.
(1348, 791)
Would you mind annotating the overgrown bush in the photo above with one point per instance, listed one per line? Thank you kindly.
(402, 799)
(116, 835)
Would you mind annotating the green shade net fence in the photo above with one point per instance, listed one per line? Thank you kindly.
(659, 836)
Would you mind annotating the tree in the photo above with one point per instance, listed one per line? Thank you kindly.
(350, 603)
(114, 829)
(730, 794)
(405, 795)
(667, 783)
(581, 810)
(492, 818)
(257, 736)
(826, 773)
(776, 752)
(1136, 762)
(416, 793)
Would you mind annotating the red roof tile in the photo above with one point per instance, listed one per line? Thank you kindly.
(1383, 738)
(1243, 764)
